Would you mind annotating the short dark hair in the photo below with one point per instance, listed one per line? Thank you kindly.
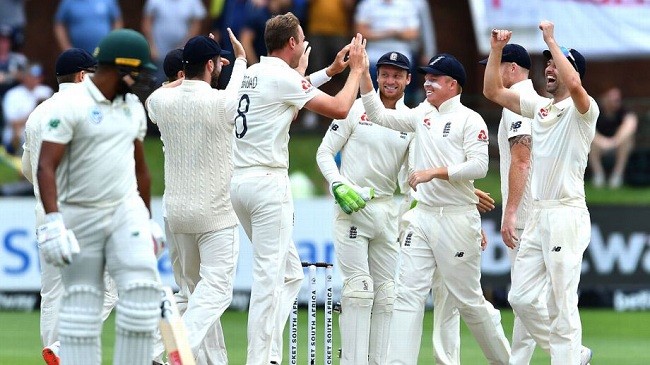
(194, 70)
(279, 29)
(66, 78)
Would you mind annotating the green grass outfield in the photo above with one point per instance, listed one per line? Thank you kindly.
(616, 338)
(302, 156)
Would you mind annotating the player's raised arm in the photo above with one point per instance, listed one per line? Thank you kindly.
(567, 72)
(337, 107)
(493, 88)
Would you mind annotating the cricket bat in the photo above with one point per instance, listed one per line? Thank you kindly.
(172, 330)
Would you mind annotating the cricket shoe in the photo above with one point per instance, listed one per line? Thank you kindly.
(51, 354)
(585, 355)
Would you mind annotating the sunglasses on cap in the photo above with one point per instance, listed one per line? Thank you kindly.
(567, 53)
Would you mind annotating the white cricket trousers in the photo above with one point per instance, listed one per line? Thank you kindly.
(447, 239)
(366, 243)
(446, 320)
(552, 245)
(204, 266)
(523, 344)
(262, 199)
(52, 292)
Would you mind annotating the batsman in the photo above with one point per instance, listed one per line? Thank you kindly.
(90, 171)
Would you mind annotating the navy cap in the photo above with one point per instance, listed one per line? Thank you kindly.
(577, 60)
(445, 64)
(395, 59)
(200, 49)
(74, 60)
(173, 62)
(513, 53)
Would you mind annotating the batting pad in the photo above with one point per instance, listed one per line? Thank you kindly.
(80, 325)
(382, 312)
(138, 313)
(354, 322)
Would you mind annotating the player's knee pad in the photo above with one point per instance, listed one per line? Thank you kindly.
(384, 298)
(138, 310)
(358, 289)
(80, 314)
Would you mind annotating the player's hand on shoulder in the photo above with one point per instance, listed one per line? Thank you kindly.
(58, 244)
(237, 47)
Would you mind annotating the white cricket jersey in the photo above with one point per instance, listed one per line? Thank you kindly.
(453, 136)
(371, 155)
(561, 142)
(33, 132)
(512, 125)
(270, 97)
(98, 167)
(195, 123)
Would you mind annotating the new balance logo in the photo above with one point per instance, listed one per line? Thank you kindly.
(445, 131)
(407, 240)
(353, 232)
(556, 248)
(459, 254)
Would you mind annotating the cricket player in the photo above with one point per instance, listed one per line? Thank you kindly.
(515, 143)
(72, 66)
(558, 229)
(366, 243)
(196, 124)
(444, 233)
(270, 96)
(90, 170)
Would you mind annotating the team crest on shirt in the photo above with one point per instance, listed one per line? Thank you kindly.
(543, 112)
(446, 129)
(363, 120)
(427, 123)
(127, 111)
(403, 135)
(54, 123)
(307, 86)
(96, 116)
(482, 136)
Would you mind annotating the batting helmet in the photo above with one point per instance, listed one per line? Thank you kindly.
(124, 47)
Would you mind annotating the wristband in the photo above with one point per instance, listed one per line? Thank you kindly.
(319, 77)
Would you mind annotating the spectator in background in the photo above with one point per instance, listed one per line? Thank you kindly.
(227, 14)
(252, 32)
(328, 30)
(389, 26)
(615, 130)
(424, 47)
(11, 63)
(12, 14)
(168, 24)
(83, 23)
(18, 103)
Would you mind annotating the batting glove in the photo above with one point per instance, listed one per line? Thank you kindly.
(58, 244)
(158, 237)
(349, 199)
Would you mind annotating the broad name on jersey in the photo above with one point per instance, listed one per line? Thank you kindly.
(249, 82)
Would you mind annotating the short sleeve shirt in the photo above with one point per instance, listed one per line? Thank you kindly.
(270, 97)
(86, 21)
(98, 167)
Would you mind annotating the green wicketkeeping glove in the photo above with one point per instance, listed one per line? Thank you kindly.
(347, 198)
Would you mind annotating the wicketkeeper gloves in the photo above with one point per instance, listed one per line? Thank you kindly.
(58, 244)
(351, 198)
